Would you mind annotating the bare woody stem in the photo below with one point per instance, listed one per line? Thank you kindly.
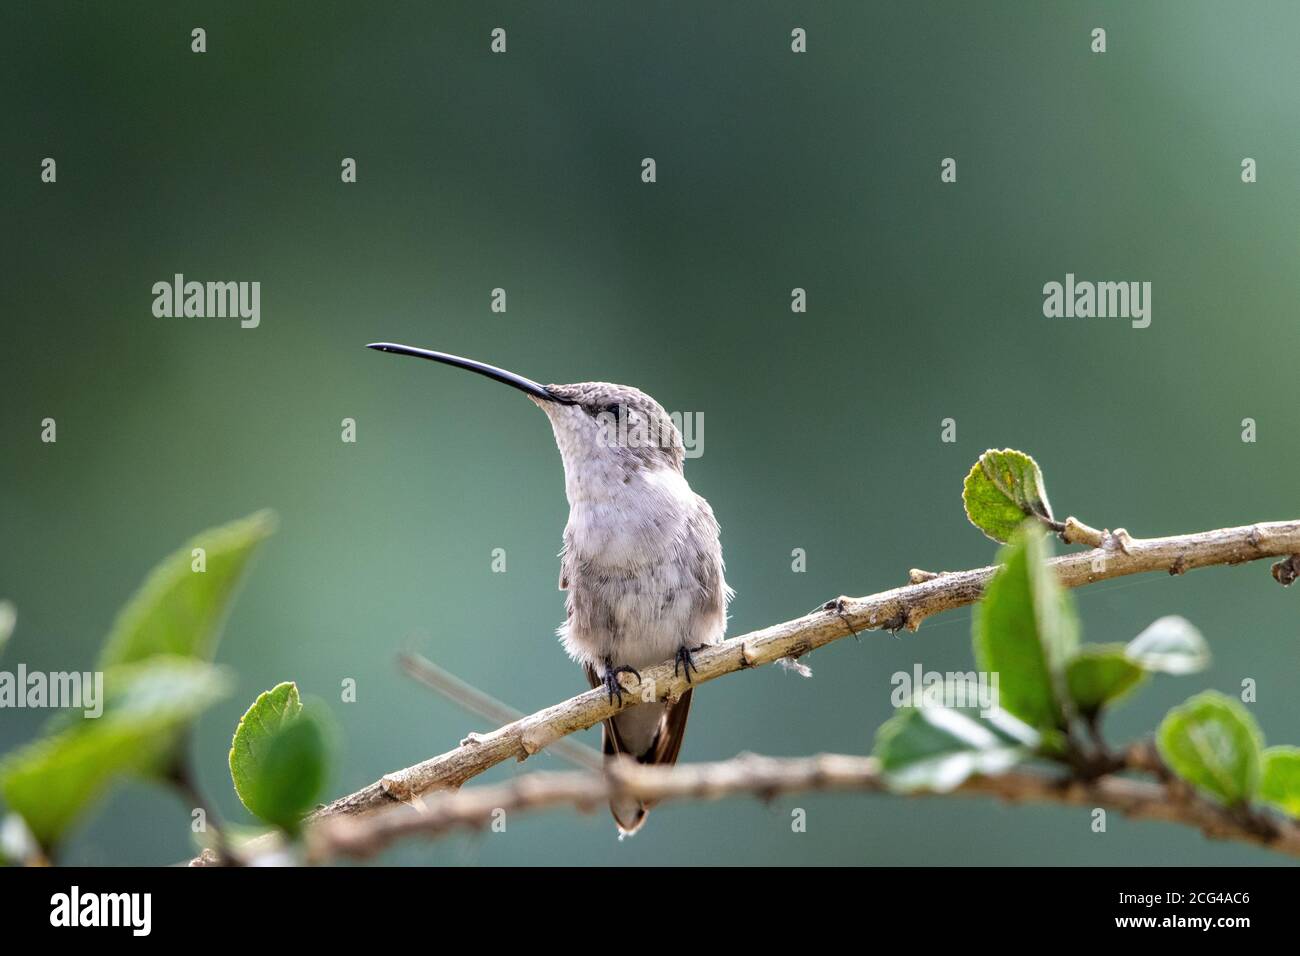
(901, 607)
(484, 705)
(767, 777)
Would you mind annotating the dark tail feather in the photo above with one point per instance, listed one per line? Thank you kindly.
(630, 814)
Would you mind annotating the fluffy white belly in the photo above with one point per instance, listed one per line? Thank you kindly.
(636, 619)
(644, 579)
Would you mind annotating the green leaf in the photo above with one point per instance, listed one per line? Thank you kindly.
(1213, 742)
(279, 757)
(179, 610)
(1170, 645)
(1100, 674)
(1025, 630)
(292, 775)
(8, 617)
(1280, 778)
(156, 680)
(938, 748)
(1002, 489)
(51, 782)
(273, 709)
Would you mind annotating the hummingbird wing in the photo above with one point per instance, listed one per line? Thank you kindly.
(663, 749)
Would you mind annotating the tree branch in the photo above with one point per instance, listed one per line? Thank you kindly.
(901, 607)
(766, 777)
(485, 705)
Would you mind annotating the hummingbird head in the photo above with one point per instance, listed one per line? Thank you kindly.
(606, 433)
(617, 429)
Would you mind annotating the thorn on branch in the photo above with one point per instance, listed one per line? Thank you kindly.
(1286, 571)
(1075, 531)
(898, 622)
(1118, 539)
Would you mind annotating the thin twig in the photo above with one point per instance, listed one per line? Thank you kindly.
(765, 777)
(483, 704)
(182, 776)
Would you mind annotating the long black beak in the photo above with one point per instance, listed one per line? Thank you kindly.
(482, 368)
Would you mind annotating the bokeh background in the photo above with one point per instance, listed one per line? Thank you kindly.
(822, 430)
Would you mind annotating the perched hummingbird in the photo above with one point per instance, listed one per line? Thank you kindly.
(641, 561)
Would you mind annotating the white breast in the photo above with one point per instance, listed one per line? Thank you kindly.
(625, 524)
(632, 592)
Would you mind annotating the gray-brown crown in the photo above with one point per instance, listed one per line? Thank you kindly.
(626, 419)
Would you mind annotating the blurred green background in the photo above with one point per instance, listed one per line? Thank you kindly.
(822, 430)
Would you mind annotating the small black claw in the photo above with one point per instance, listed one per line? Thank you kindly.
(685, 660)
(612, 686)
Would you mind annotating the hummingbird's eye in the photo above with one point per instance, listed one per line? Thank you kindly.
(616, 410)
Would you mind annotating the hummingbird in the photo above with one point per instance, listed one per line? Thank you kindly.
(641, 563)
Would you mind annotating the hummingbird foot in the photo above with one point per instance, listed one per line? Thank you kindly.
(684, 661)
(610, 679)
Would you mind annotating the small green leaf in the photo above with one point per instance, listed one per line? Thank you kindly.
(51, 782)
(1025, 630)
(1213, 742)
(938, 748)
(179, 610)
(272, 710)
(1170, 645)
(278, 757)
(1100, 674)
(1002, 489)
(292, 774)
(8, 617)
(1280, 779)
